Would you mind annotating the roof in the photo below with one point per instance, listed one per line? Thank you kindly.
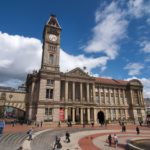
(111, 81)
(53, 22)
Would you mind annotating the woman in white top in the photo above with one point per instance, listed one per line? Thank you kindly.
(115, 140)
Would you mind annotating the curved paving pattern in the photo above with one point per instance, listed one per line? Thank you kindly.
(98, 141)
(45, 140)
(12, 141)
(81, 138)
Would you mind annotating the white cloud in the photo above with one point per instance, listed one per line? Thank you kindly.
(146, 84)
(147, 59)
(80, 61)
(148, 21)
(134, 68)
(5, 63)
(138, 8)
(145, 46)
(11, 83)
(19, 55)
(110, 28)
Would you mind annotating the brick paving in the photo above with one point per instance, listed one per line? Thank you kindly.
(89, 139)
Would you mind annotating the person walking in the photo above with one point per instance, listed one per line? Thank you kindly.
(109, 139)
(30, 133)
(115, 140)
(67, 137)
(137, 130)
(57, 145)
(41, 123)
(123, 128)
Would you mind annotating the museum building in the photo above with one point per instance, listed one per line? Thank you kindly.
(75, 95)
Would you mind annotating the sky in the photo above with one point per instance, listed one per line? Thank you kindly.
(110, 37)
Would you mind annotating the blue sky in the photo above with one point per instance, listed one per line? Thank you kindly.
(111, 38)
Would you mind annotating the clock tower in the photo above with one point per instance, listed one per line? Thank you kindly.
(51, 45)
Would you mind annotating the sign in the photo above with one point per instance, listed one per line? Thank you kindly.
(61, 114)
(2, 124)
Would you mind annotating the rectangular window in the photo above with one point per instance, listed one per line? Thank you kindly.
(107, 94)
(50, 82)
(138, 111)
(51, 59)
(49, 93)
(48, 111)
(102, 94)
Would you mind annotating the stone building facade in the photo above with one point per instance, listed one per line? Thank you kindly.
(76, 96)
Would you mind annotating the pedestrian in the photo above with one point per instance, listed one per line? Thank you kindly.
(30, 133)
(92, 124)
(13, 123)
(115, 140)
(20, 148)
(59, 123)
(83, 125)
(109, 139)
(123, 128)
(137, 130)
(57, 145)
(67, 137)
(41, 123)
(140, 122)
(105, 124)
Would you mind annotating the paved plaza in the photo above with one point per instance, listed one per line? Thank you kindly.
(87, 138)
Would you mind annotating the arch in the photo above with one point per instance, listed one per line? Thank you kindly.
(10, 112)
(101, 117)
(135, 82)
(17, 105)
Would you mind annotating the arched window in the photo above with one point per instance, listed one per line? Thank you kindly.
(51, 59)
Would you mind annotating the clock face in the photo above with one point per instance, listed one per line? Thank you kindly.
(52, 37)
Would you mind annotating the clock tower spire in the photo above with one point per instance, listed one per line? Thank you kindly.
(51, 45)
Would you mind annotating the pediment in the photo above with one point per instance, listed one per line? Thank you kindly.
(135, 82)
(53, 22)
(78, 72)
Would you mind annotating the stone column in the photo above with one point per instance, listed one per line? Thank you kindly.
(126, 114)
(116, 114)
(30, 115)
(124, 98)
(95, 116)
(105, 97)
(81, 115)
(131, 92)
(66, 114)
(99, 93)
(87, 92)
(119, 97)
(66, 91)
(81, 97)
(109, 94)
(106, 114)
(141, 97)
(88, 115)
(73, 115)
(115, 97)
(143, 114)
(111, 115)
(73, 91)
(93, 87)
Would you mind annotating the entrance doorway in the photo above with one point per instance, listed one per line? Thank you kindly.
(101, 117)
